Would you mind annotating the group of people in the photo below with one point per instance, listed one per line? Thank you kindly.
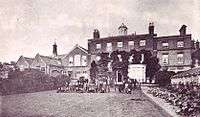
(127, 86)
(84, 86)
(99, 86)
(184, 97)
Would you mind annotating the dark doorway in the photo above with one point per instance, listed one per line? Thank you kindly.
(119, 77)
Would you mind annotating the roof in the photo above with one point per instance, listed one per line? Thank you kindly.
(76, 46)
(191, 72)
(61, 56)
(123, 37)
(29, 60)
(171, 36)
(50, 60)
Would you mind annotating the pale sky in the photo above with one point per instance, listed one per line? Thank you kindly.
(28, 27)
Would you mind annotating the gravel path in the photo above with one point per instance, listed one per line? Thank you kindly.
(52, 104)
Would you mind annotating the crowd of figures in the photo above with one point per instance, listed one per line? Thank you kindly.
(185, 98)
(83, 86)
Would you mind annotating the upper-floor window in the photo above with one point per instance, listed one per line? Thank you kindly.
(142, 42)
(71, 60)
(84, 60)
(165, 58)
(98, 46)
(98, 58)
(165, 44)
(119, 44)
(77, 60)
(180, 58)
(109, 47)
(131, 43)
(120, 57)
(180, 44)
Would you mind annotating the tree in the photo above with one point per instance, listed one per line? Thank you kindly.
(136, 56)
(163, 78)
(93, 71)
(152, 66)
(151, 62)
(1, 65)
(124, 63)
(102, 65)
(114, 60)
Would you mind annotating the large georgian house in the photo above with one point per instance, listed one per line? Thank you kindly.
(173, 51)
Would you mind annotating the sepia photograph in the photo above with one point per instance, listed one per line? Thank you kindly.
(99, 58)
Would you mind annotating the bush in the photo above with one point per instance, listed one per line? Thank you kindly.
(162, 78)
(30, 81)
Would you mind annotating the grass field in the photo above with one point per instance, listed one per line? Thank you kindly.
(52, 104)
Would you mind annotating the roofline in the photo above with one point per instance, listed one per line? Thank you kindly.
(74, 48)
(129, 35)
(161, 37)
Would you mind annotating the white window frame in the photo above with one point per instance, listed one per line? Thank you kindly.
(120, 44)
(109, 47)
(84, 60)
(180, 44)
(180, 58)
(98, 58)
(142, 43)
(71, 61)
(98, 46)
(165, 58)
(131, 43)
(77, 60)
(165, 44)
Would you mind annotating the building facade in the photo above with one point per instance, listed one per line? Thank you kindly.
(73, 64)
(76, 63)
(24, 63)
(173, 52)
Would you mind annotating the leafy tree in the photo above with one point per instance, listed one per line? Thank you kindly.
(136, 56)
(114, 60)
(93, 71)
(162, 78)
(152, 62)
(1, 65)
(103, 65)
(152, 66)
(124, 63)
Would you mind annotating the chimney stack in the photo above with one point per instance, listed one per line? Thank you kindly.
(55, 53)
(183, 30)
(96, 34)
(151, 28)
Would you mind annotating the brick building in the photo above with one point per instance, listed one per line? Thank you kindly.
(24, 63)
(73, 64)
(173, 51)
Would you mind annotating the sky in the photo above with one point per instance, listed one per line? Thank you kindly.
(28, 27)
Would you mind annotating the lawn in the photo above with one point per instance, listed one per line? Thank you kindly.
(52, 104)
